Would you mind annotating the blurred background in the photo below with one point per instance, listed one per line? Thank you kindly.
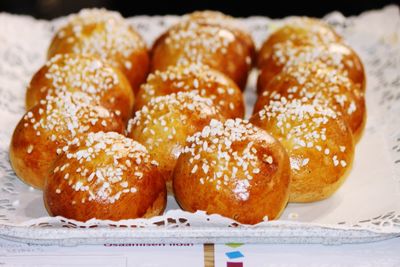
(48, 9)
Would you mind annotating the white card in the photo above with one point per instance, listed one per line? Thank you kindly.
(118, 255)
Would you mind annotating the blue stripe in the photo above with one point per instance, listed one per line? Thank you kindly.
(234, 254)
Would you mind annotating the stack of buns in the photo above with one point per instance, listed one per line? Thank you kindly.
(71, 142)
(311, 98)
(104, 139)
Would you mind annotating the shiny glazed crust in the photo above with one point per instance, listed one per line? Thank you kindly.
(74, 72)
(50, 125)
(234, 169)
(224, 93)
(318, 141)
(166, 121)
(212, 45)
(225, 21)
(334, 55)
(106, 35)
(105, 176)
(297, 31)
(315, 81)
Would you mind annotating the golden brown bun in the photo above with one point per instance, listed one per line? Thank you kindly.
(314, 81)
(335, 55)
(106, 35)
(318, 142)
(298, 31)
(207, 82)
(73, 72)
(234, 169)
(165, 122)
(212, 45)
(105, 176)
(217, 18)
(48, 126)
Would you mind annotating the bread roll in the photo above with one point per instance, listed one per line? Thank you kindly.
(334, 55)
(50, 125)
(234, 169)
(314, 81)
(105, 176)
(107, 35)
(298, 31)
(217, 18)
(318, 142)
(166, 121)
(74, 72)
(224, 93)
(211, 45)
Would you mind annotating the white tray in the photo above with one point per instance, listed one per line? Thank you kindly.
(366, 208)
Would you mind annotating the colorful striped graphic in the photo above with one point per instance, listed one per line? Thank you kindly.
(234, 255)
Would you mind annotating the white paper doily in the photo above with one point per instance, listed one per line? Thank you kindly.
(366, 208)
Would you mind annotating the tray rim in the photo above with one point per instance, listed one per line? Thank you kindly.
(278, 232)
(273, 232)
(321, 233)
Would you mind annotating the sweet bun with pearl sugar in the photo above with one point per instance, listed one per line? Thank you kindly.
(74, 72)
(193, 42)
(212, 17)
(335, 55)
(233, 169)
(107, 35)
(224, 93)
(297, 31)
(105, 176)
(47, 127)
(330, 86)
(318, 141)
(166, 121)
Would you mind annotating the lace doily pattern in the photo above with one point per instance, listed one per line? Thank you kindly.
(374, 35)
